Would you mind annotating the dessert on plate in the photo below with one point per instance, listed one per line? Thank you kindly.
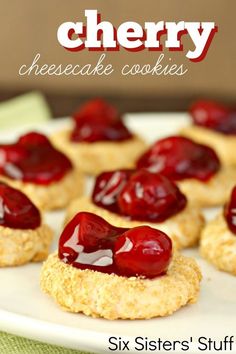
(23, 236)
(43, 173)
(118, 273)
(98, 140)
(126, 198)
(218, 239)
(215, 125)
(195, 168)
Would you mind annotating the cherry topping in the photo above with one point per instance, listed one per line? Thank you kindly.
(179, 158)
(143, 251)
(16, 209)
(98, 121)
(107, 187)
(32, 139)
(89, 242)
(230, 211)
(213, 115)
(150, 197)
(98, 109)
(33, 159)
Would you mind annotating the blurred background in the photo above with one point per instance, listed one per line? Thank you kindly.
(29, 27)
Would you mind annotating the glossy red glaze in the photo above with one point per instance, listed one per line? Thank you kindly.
(180, 158)
(33, 159)
(98, 121)
(16, 209)
(150, 197)
(215, 116)
(89, 242)
(143, 251)
(107, 187)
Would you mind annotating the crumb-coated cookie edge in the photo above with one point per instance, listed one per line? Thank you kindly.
(113, 297)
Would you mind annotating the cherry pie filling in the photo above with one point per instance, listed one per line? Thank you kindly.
(33, 159)
(179, 158)
(16, 209)
(98, 121)
(215, 116)
(90, 242)
(230, 212)
(140, 195)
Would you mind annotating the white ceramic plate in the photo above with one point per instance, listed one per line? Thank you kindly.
(26, 311)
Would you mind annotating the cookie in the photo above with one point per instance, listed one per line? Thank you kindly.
(18, 247)
(94, 158)
(114, 297)
(218, 245)
(23, 235)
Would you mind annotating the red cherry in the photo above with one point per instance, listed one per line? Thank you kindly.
(97, 110)
(33, 159)
(33, 138)
(99, 121)
(89, 242)
(107, 187)
(150, 197)
(16, 209)
(91, 132)
(179, 158)
(213, 115)
(143, 251)
(12, 153)
(230, 211)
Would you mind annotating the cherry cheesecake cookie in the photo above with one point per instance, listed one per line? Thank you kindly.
(195, 168)
(118, 273)
(23, 236)
(126, 198)
(218, 240)
(215, 125)
(99, 140)
(43, 173)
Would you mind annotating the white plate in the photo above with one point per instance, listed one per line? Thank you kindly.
(26, 311)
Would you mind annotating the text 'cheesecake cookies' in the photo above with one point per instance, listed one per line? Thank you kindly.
(99, 139)
(126, 198)
(23, 236)
(195, 168)
(215, 125)
(218, 240)
(43, 173)
(118, 273)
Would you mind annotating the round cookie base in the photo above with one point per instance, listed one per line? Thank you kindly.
(218, 245)
(214, 192)
(114, 297)
(18, 247)
(183, 228)
(94, 158)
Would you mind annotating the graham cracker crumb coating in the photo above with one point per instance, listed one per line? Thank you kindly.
(218, 245)
(183, 228)
(94, 158)
(53, 196)
(18, 247)
(114, 297)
